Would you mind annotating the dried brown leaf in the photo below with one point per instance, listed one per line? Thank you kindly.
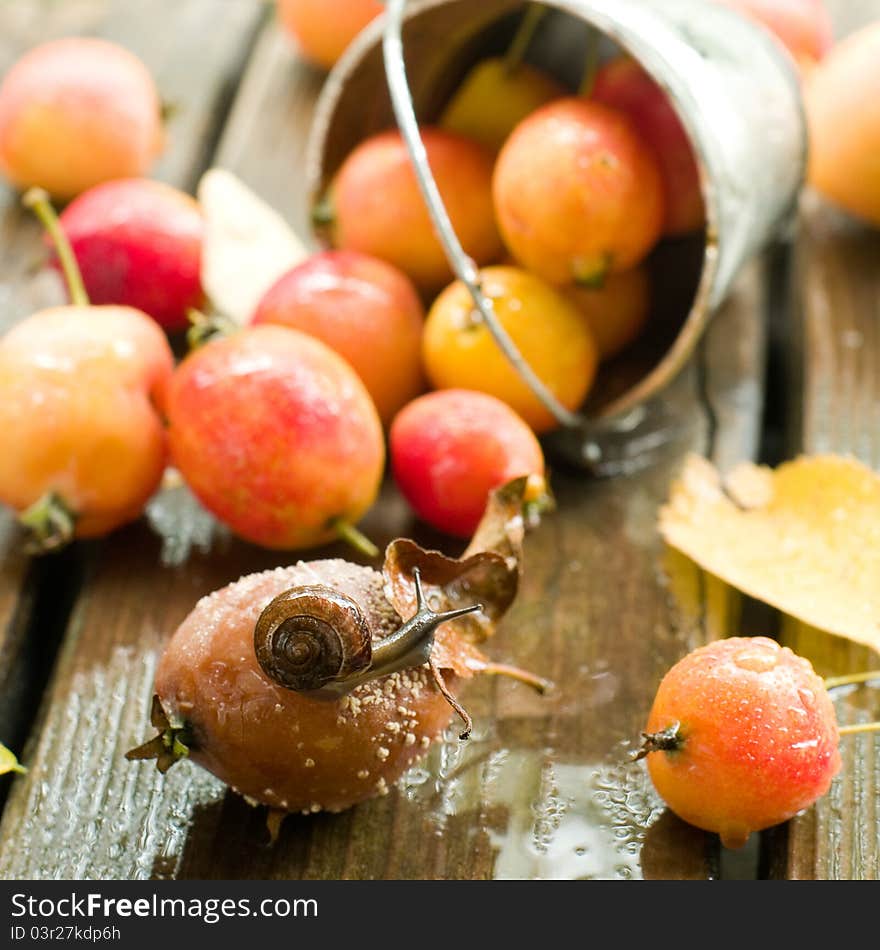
(488, 573)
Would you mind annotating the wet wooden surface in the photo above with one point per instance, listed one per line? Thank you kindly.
(546, 788)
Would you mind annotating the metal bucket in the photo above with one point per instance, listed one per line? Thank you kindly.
(735, 89)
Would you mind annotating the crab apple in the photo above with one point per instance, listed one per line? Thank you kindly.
(623, 84)
(843, 108)
(460, 352)
(76, 112)
(276, 435)
(493, 99)
(450, 449)
(804, 27)
(82, 441)
(138, 243)
(375, 205)
(315, 686)
(742, 735)
(616, 312)
(323, 29)
(287, 749)
(366, 310)
(578, 193)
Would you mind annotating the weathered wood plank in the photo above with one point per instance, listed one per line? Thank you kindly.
(21, 24)
(834, 357)
(545, 788)
(838, 308)
(34, 598)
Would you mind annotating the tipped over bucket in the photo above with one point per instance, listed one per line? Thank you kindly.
(734, 88)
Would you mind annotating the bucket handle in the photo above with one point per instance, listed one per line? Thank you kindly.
(463, 266)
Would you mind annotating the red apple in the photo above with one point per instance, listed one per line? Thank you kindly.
(138, 243)
(364, 309)
(624, 85)
(450, 449)
(276, 435)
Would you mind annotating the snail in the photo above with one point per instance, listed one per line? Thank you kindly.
(317, 640)
(314, 687)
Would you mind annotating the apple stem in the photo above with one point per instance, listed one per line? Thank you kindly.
(347, 532)
(168, 110)
(204, 328)
(666, 740)
(524, 35)
(437, 674)
(172, 743)
(50, 523)
(37, 199)
(859, 727)
(323, 213)
(537, 683)
(833, 682)
(591, 67)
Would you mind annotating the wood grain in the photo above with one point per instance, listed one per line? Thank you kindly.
(23, 290)
(837, 307)
(35, 597)
(832, 331)
(546, 788)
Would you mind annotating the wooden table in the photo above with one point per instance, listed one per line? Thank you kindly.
(546, 788)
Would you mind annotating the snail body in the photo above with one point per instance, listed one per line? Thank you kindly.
(296, 751)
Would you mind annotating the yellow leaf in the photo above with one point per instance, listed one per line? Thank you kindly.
(8, 762)
(804, 538)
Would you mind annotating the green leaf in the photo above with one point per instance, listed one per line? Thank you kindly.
(8, 762)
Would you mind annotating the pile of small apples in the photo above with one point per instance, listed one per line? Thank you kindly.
(367, 352)
(280, 427)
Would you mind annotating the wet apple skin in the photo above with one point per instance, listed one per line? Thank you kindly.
(759, 737)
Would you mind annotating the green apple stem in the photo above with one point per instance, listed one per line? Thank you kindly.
(204, 328)
(858, 727)
(169, 110)
(37, 199)
(323, 213)
(591, 67)
(347, 532)
(854, 679)
(524, 35)
(833, 682)
(50, 523)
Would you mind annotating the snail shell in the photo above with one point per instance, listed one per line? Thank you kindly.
(310, 636)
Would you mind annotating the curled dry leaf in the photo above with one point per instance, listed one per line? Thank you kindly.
(488, 573)
(804, 538)
(247, 245)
